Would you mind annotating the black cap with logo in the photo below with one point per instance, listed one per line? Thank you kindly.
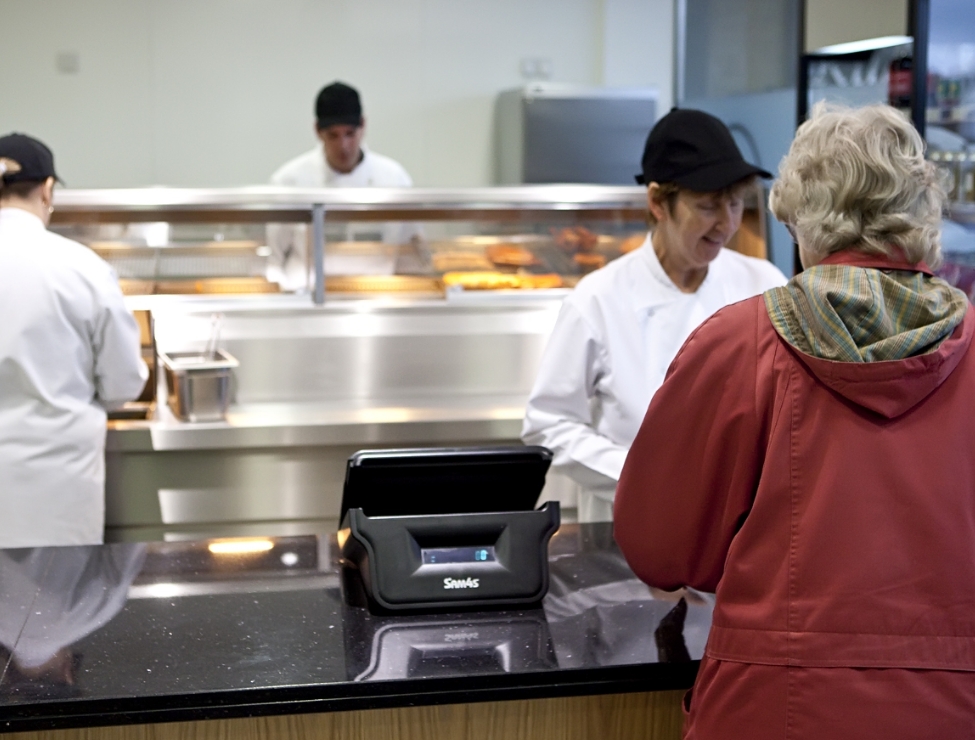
(25, 159)
(695, 150)
(338, 104)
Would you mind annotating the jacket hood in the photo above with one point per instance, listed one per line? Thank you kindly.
(882, 333)
(893, 387)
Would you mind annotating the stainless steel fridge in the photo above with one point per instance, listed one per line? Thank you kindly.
(553, 133)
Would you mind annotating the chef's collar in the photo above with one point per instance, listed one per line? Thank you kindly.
(661, 276)
(648, 297)
(363, 154)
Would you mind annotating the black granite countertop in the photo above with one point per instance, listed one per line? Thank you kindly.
(151, 632)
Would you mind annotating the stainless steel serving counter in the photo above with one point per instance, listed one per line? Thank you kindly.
(316, 383)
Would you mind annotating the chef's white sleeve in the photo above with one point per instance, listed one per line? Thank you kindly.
(559, 414)
(120, 373)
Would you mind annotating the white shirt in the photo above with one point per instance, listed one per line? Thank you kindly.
(288, 243)
(613, 341)
(68, 348)
(311, 170)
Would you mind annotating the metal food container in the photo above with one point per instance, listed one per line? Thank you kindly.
(198, 384)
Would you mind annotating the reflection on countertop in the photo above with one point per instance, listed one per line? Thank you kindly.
(600, 613)
(148, 632)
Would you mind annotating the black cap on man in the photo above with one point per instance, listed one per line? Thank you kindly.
(338, 104)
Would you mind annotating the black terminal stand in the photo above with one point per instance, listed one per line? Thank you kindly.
(448, 528)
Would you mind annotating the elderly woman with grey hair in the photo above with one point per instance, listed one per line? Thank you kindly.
(811, 459)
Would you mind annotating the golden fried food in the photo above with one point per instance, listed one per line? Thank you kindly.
(382, 284)
(575, 238)
(541, 282)
(634, 241)
(511, 255)
(480, 280)
(589, 262)
(460, 261)
(501, 281)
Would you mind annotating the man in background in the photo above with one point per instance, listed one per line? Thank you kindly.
(340, 160)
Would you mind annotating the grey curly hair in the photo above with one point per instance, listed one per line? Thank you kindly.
(858, 178)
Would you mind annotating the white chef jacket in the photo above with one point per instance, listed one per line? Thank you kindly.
(288, 243)
(311, 170)
(68, 348)
(612, 343)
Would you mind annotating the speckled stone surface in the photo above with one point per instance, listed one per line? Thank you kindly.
(146, 632)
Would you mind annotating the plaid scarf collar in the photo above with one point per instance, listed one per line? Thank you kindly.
(854, 307)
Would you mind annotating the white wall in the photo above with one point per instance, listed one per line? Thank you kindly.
(638, 46)
(96, 121)
(220, 92)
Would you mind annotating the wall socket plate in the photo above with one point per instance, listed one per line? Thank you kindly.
(67, 62)
(536, 68)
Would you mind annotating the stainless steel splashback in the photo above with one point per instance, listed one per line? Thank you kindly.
(549, 133)
(365, 352)
(313, 385)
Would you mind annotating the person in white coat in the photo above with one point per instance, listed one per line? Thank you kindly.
(621, 327)
(69, 348)
(340, 160)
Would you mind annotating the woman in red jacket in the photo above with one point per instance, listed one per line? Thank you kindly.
(811, 459)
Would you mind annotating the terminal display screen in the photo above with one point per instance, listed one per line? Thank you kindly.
(441, 555)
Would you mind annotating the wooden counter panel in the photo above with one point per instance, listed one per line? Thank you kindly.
(642, 716)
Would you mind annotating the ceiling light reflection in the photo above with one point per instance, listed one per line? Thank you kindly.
(239, 547)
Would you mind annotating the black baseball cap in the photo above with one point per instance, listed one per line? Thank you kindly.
(31, 159)
(338, 104)
(695, 150)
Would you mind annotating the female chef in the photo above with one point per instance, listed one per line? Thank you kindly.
(68, 348)
(622, 325)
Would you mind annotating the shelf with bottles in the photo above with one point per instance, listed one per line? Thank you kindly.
(958, 229)
(951, 103)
